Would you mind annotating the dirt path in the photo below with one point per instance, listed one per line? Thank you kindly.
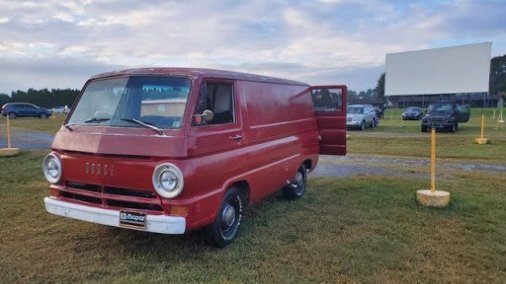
(354, 164)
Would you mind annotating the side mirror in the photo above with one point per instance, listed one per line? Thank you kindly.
(207, 115)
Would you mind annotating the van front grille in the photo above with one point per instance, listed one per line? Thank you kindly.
(112, 197)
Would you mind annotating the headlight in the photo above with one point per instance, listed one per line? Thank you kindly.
(168, 180)
(51, 166)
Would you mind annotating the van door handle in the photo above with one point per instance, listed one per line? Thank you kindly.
(235, 137)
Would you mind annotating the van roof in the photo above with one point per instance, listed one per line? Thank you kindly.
(195, 73)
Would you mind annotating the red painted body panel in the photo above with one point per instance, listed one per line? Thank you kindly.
(274, 119)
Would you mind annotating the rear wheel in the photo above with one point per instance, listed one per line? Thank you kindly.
(43, 115)
(375, 122)
(298, 187)
(226, 226)
(12, 115)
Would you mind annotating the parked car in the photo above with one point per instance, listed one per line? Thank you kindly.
(412, 113)
(445, 115)
(14, 110)
(463, 112)
(361, 117)
(171, 150)
(60, 109)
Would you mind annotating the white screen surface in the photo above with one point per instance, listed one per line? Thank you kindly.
(448, 70)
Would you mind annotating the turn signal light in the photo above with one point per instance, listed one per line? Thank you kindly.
(179, 210)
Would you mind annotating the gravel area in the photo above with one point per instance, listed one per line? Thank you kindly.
(27, 140)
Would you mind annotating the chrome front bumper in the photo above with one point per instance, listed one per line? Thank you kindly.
(162, 224)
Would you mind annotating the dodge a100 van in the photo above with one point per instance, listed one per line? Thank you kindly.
(171, 150)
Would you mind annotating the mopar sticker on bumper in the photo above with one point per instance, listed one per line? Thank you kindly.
(132, 219)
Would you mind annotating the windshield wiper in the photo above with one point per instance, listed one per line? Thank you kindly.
(96, 119)
(158, 130)
(68, 126)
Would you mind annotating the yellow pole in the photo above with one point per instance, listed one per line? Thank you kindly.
(8, 133)
(482, 125)
(433, 161)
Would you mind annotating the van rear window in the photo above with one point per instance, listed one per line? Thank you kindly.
(327, 100)
(155, 100)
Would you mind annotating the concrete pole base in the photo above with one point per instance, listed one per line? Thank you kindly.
(438, 198)
(9, 152)
(481, 141)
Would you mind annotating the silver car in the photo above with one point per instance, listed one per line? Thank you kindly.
(361, 117)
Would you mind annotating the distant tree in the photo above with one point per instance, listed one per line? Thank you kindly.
(352, 94)
(46, 98)
(4, 98)
(498, 76)
(379, 91)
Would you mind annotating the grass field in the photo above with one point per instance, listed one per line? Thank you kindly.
(51, 124)
(363, 228)
(403, 138)
(357, 229)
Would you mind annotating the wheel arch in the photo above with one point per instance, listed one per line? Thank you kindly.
(308, 164)
(244, 190)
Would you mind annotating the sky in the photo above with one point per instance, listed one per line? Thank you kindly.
(60, 44)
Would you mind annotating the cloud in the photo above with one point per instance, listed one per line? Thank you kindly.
(49, 72)
(313, 41)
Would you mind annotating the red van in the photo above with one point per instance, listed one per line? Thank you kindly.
(170, 150)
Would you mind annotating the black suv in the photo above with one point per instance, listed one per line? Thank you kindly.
(445, 115)
(24, 109)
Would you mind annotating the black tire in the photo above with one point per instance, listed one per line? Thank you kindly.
(12, 115)
(295, 192)
(228, 220)
(375, 122)
(424, 128)
(453, 127)
(362, 126)
(43, 115)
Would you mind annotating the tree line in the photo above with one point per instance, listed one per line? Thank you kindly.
(44, 97)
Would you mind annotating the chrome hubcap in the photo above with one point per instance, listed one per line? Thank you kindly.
(299, 180)
(228, 215)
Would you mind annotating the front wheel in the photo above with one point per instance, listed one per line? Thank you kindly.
(424, 128)
(298, 188)
(12, 115)
(43, 115)
(226, 226)
(362, 126)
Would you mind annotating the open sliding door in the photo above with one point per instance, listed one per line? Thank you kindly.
(330, 109)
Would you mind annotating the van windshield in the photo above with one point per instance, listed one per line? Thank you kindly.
(158, 101)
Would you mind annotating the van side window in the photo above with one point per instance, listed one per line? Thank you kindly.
(218, 98)
(327, 99)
